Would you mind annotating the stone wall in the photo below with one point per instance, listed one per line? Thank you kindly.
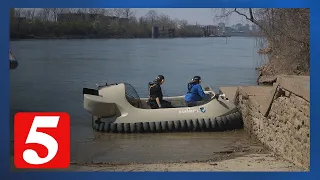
(280, 119)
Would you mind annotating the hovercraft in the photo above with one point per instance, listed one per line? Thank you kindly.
(117, 108)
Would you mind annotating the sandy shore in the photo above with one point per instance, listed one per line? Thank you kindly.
(252, 162)
(226, 151)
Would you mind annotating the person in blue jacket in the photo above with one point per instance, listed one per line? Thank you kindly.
(195, 92)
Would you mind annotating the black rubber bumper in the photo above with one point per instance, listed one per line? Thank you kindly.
(223, 123)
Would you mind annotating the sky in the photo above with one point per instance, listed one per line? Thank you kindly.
(202, 16)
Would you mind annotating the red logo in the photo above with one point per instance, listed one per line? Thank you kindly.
(42, 140)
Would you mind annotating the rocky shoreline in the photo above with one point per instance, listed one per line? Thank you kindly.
(279, 116)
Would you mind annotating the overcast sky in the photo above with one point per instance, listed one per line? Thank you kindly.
(203, 16)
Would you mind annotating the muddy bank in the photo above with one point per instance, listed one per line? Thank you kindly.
(279, 116)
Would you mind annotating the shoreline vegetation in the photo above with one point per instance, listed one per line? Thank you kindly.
(97, 23)
(286, 31)
(84, 23)
(31, 37)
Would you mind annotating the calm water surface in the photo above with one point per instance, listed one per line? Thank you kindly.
(52, 73)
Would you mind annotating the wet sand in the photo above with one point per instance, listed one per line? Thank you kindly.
(194, 151)
(253, 162)
(216, 151)
(106, 148)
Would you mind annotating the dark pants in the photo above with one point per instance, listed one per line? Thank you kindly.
(164, 104)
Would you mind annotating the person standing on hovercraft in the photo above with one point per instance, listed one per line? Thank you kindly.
(155, 94)
(195, 92)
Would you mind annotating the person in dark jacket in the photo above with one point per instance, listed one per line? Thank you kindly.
(195, 92)
(155, 94)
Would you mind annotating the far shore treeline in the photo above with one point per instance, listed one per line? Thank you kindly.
(94, 23)
(287, 30)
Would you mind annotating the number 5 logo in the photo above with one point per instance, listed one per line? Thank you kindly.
(41, 140)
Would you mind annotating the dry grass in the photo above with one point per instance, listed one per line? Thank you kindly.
(288, 33)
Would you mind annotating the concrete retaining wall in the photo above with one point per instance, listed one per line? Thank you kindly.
(279, 116)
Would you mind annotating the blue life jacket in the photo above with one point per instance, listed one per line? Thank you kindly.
(195, 93)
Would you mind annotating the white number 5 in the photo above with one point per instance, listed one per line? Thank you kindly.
(31, 156)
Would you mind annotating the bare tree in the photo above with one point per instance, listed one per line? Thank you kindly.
(55, 12)
(152, 16)
(183, 23)
(166, 21)
(18, 12)
(30, 13)
(287, 31)
(127, 13)
(44, 14)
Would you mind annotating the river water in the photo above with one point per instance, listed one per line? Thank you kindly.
(52, 73)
